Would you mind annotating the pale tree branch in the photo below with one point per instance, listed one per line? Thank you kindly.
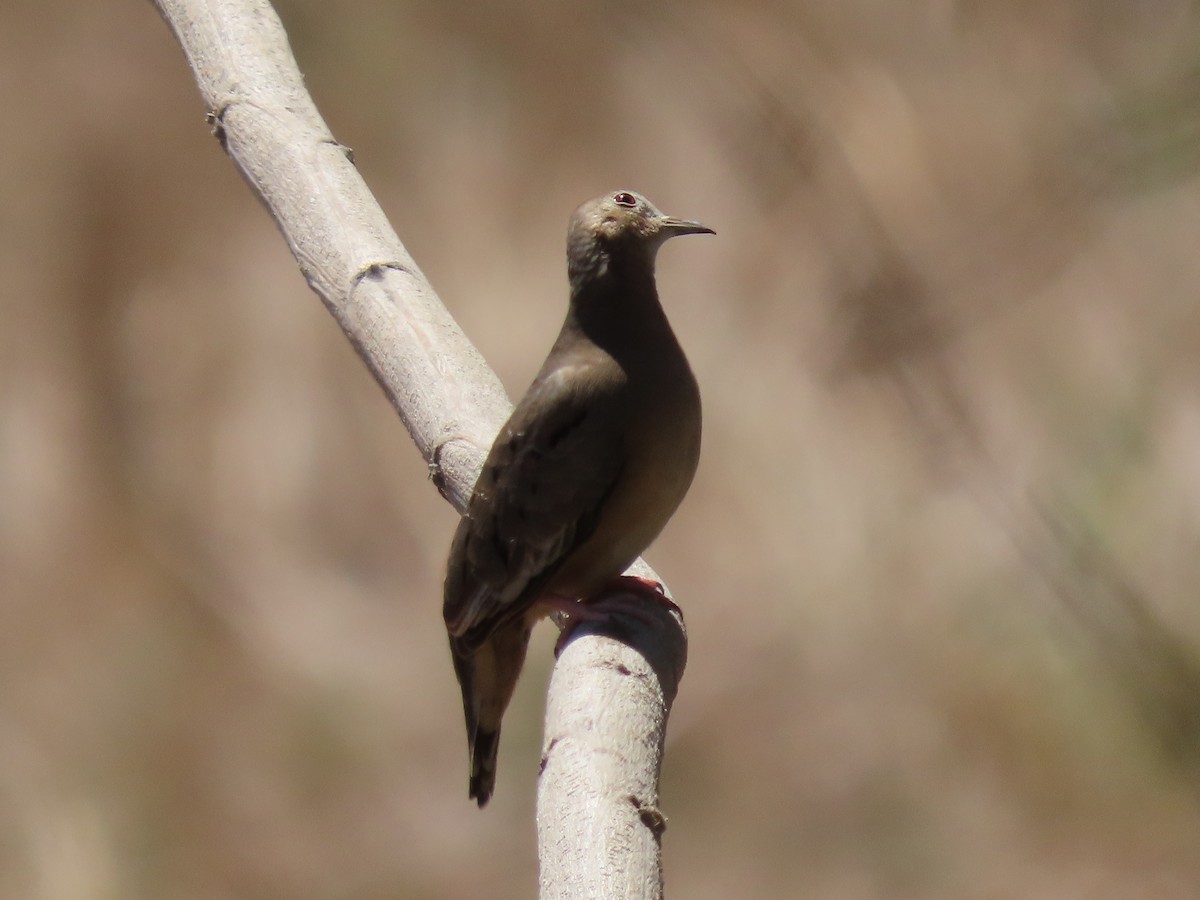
(599, 823)
(607, 692)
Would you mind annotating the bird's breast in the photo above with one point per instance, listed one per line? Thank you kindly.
(660, 448)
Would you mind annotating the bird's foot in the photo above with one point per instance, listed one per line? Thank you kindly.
(629, 594)
(625, 595)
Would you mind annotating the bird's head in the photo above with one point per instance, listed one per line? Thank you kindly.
(621, 225)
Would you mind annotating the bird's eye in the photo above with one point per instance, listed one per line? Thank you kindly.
(625, 199)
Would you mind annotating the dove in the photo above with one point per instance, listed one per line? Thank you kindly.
(593, 461)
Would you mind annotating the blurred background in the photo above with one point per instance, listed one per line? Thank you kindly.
(940, 561)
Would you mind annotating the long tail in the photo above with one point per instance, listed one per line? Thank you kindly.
(484, 747)
(487, 674)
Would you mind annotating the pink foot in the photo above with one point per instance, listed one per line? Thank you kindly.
(626, 595)
(620, 594)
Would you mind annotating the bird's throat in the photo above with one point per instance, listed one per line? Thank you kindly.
(609, 310)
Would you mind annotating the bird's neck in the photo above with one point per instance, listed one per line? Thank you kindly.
(604, 266)
(612, 307)
(618, 292)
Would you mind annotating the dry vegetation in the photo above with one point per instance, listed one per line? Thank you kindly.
(940, 563)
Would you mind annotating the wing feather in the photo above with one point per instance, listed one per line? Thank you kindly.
(537, 498)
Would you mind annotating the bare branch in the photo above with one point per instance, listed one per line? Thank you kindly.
(599, 823)
(451, 403)
(448, 398)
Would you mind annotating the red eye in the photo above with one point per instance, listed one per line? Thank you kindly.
(625, 199)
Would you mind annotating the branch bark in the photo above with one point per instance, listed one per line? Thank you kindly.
(599, 822)
(452, 405)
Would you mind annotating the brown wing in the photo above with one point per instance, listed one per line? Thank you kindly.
(536, 500)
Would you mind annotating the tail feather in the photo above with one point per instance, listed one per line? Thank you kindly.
(487, 674)
(484, 748)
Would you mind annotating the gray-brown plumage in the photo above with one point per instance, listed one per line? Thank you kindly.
(586, 472)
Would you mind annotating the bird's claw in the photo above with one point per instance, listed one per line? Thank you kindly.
(626, 595)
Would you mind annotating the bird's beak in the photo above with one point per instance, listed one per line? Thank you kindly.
(670, 227)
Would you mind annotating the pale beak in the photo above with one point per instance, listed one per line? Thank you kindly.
(670, 227)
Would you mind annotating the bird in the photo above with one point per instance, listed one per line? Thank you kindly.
(591, 464)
